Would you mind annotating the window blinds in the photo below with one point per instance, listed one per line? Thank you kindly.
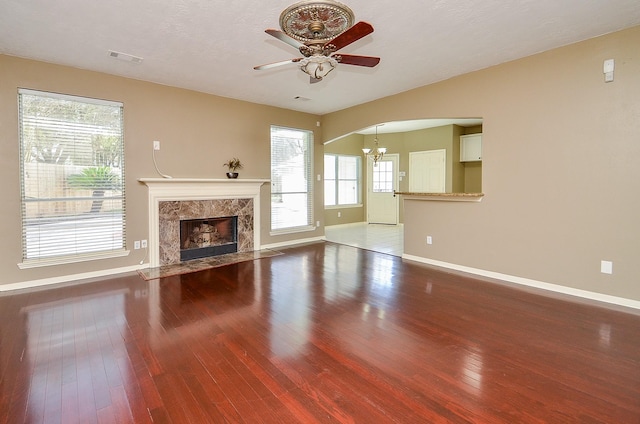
(291, 179)
(72, 177)
(341, 180)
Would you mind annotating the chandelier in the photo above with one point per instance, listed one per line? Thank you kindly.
(377, 153)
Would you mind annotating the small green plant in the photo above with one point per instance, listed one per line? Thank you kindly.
(233, 164)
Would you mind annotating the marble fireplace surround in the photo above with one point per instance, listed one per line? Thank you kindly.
(182, 198)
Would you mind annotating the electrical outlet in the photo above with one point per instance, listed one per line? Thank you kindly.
(339, 214)
(156, 145)
(143, 244)
(136, 244)
(429, 240)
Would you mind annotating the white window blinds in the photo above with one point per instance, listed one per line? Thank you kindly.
(291, 179)
(72, 178)
(341, 180)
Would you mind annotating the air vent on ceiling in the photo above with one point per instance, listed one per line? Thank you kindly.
(125, 57)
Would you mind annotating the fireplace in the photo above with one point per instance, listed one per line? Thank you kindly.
(175, 199)
(201, 238)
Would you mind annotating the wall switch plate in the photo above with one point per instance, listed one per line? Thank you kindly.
(606, 267)
(136, 244)
(429, 240)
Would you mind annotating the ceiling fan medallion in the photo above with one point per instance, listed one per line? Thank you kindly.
(317, 21)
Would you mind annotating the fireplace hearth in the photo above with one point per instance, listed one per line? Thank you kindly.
(201, 238)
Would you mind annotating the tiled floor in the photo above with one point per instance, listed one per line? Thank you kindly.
(376, 237)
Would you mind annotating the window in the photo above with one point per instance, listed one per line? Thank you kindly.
(341, 180)
(72, 178)
(291, 180)
(383, 177)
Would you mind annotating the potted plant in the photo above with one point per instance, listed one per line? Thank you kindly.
(233, 165)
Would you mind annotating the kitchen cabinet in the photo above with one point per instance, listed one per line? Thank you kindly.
(471, 148)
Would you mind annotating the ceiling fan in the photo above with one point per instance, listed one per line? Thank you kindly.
(318, 29)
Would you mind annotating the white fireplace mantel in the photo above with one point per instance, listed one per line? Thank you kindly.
(183, 189)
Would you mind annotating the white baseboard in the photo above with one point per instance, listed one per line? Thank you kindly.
(599, 297)
(292, 242)
(69, 278)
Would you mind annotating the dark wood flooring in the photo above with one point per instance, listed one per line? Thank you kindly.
(324, 333)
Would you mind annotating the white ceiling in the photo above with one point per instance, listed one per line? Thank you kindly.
(211, 46)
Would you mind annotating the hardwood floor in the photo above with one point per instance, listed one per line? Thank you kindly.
(324, 333)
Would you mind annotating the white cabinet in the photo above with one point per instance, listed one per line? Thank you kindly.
(471, 148)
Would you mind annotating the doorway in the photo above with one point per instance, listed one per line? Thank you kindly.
(382, 181)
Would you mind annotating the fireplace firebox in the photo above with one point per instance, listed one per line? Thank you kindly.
(201, 238)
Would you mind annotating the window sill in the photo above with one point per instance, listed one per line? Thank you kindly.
(61, 260)
(355, 205)
(442, 197)
(292, 230)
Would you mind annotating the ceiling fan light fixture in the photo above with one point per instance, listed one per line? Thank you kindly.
(318, 66)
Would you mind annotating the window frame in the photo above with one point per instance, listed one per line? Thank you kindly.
(337, 180)
(116, 218)
(277, 180)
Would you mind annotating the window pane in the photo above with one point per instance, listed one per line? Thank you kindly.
(383, 177)
(72, 175)
(329, 192)
(348, 192)
(289, 210)
(329, 167)
(348, 167)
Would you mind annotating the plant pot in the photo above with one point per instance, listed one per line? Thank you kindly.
(232, 175)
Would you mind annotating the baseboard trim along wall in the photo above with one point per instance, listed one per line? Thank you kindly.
(69, 278)
(599, 297)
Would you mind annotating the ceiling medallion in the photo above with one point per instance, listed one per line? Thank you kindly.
(316, 21)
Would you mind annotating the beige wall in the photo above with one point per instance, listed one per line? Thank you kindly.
(198, 133)
(560, 166)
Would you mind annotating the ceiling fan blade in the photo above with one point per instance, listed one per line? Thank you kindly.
(351, 35)
(276, 64)
(350, 59)
(284, 37)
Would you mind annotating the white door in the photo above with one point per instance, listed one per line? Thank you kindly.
(428, 171)
(382, 180)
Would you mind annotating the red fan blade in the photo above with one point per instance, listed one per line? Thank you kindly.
(284, 37)
(349, 59)
(351, 35)
(276, 64)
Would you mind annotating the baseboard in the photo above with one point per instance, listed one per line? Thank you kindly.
(69, 278)
(292, 242)
(584, 294)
